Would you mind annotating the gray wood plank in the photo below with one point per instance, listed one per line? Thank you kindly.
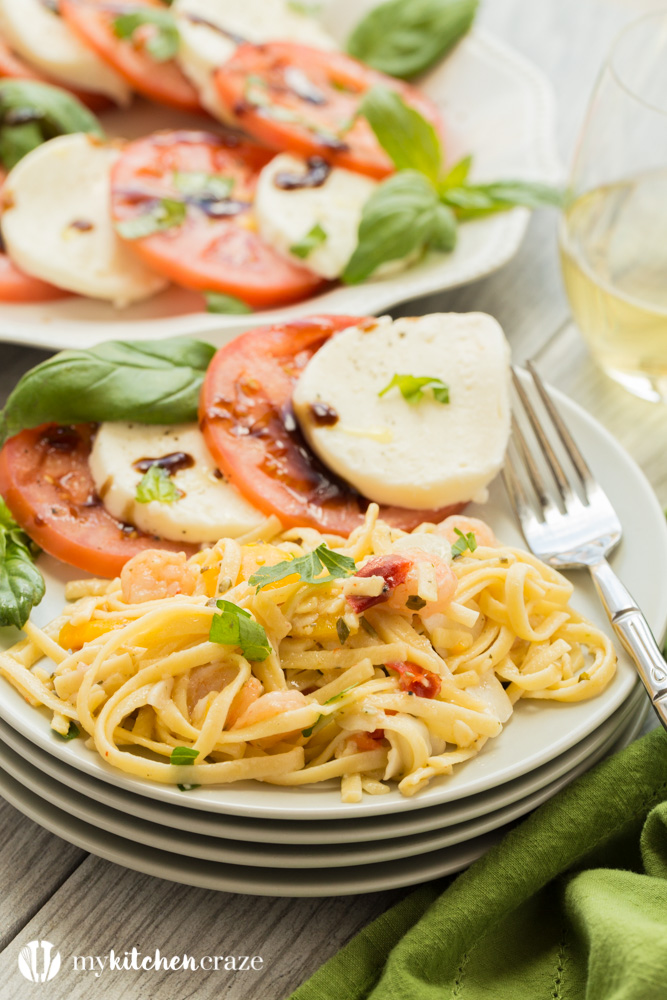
(103, 906)
(33, 865)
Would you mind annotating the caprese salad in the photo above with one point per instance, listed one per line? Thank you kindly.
(309, 165)
(126, 447)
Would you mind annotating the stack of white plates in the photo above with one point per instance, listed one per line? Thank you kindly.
(261, 839)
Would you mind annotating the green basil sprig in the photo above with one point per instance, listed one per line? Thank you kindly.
(21, 583)
(418, 208)
(152, 382)
(308, 567)
(236, 627)
(32, 113)
(405, 37)
(162, 43)
(403, 216)
(227, 305)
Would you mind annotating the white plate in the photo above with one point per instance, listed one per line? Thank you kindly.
(537, 732)
(374, 829)
(250, 880)
(495, 104)
(124, 824)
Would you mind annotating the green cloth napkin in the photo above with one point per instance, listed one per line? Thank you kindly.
(572, 903)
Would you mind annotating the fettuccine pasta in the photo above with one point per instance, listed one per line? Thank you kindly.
(398, 668)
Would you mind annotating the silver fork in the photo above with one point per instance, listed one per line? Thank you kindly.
(572, 527)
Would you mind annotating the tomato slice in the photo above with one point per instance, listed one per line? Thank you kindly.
(46, 482)
(14, 68)
(303, 100)
(16, 286)
(164, 82)
(424, 683)
(216, 248)
(247, 420)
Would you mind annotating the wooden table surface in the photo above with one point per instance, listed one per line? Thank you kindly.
(86, 906)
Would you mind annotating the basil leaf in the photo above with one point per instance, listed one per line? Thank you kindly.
(162, 43)
(216, 302)
(472, 201)
(339, 566)
(464, 542)
(308, 567)
(305, 8)
(71, 733)
(311, 241)
(21, 583)
(32, 112)
(163, 213)
(412, 388)
(401, 216)
(181, 756)
(152, 382)
(155, 484)
(405, 37)
(458, 175)
(235, 627)
(411, 142)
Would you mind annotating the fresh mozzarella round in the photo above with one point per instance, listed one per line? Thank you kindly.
(425, 454)
(210, 30)
(286, 215)
(56, 222)
(209, 508)
(47, 42)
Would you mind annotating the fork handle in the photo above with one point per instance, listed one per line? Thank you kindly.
(634, 632)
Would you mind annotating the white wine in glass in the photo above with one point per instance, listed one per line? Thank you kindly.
(613, 232)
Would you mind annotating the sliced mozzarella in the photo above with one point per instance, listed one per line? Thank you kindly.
(56, 222)
(285, 216)
(210, 30)
(47, 42)
(430, 454)
(210, 508)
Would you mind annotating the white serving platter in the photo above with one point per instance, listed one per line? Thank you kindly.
(495, 104)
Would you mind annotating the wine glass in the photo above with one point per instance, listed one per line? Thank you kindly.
(613, 231)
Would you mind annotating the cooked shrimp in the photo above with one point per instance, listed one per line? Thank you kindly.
(412, 573)
(429, 579)
(482, 532)
(155, 574)
(215, 677)
(268, 706)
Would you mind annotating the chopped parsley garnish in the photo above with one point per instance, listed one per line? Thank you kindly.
(181, 756)
(311, 241)
(415, 603)
(308, 567)
(412, 388)
(464, 542)
(343, 631)
(337, 697)
(71, 734)
(164, 213)
(156, 485)
(161, 43)
(235, 627)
